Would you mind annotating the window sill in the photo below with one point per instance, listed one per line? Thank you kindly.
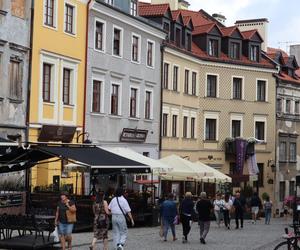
(210, 141)
(237, 99)
(70, 34)
(191, 95)
(16, 101)
(49, 103)
(261, 101)
(99, 50)
(136, 62)
(117, 56)
(213, 97)
(115, 116)
(148, 120)
(293, 162)
(150, 67)
(69, 105)
(50, 27)
(134, 118)
(189, 139)
(97, 114)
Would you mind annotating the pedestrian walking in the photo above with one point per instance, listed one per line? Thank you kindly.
(169, 215)
(227, 210)
(239, 207)
(218, 208)
(255, 206)
(186, 210)
(120, 211)
(65, 218)
(268, 210)
(101, 221)
(203, 209)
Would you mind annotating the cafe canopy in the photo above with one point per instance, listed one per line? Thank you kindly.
(183, 170)
(22, 158)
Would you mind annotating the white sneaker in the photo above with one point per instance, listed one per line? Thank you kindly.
(120, 247)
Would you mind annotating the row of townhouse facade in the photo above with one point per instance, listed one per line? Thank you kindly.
(157, 78)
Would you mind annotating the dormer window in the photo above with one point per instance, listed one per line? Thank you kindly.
(110, 2)
(133, 7)
(234, 50)
(178, 37)
(254, 53)
(213, 47)
(166, 28)
(189, 41)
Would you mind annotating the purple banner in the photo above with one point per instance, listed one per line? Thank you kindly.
(241, 146)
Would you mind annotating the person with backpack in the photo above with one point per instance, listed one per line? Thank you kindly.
(255, 205)
(268, 210)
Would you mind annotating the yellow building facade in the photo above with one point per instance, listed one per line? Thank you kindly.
(58, 80)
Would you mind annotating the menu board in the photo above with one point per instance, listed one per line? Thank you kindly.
(9, 200)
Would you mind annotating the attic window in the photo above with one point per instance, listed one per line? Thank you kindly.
(234, 51)
(178, 37)
(254, 53)
(213, 47)
(133, 7)
(189, 41)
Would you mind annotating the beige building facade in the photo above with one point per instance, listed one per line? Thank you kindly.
(223, 109)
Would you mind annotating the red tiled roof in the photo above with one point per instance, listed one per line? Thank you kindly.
(275, 50)
(227, 31)
(197, 18)
(285, 77)
(297, 72)
(248, 34)
(175, 14)
(203, 29)
(186, 20)
(153, 9)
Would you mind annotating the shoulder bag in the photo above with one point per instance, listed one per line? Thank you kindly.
(128, 220)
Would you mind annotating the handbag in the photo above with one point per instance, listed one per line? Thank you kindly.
(71, 216)
(128, 220)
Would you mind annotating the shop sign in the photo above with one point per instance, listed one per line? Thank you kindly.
(133, 135)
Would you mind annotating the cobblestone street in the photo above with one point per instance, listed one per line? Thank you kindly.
(252, 237)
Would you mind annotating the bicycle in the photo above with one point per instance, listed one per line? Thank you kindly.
(291, 239)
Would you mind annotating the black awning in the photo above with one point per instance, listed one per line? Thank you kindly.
(6, 146)
(93, 156)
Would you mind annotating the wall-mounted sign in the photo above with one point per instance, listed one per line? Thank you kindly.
(133, 135)
(57, 133)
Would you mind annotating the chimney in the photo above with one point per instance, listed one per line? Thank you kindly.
(220, 18)
(174, 4)
(260, 24)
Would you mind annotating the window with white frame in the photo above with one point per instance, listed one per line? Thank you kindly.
(175, 78)
(185, 127)
(165, 125)
(15, 73)
(282, 151)
(193, 125)
(237, 88)
(260, 127)
(235, 128)
(115, 96)
(133, 102)
(297, 107)
(194, 83)
(117, 41)
(186, 81)
(174, 125)
(288, 106)
(47, 82)
(135, 48)
(150, 54)
(261, 88)
(50, 13)
(210, 129)
(67, 86)
(279, 105)
(211, 86)
(99, 35)
(97, 96)
(110, 2)
(133, 7)
(166, 76)
(293, 152)
(148, 105)
(69, 18)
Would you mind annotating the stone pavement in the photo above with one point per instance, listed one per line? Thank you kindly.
(252, 237)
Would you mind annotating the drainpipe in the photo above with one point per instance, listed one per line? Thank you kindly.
(27, 171)
(162, 49)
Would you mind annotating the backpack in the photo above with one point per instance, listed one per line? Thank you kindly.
(268, 205)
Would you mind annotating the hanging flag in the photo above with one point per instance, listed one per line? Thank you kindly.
(252, 165)
(241, 147)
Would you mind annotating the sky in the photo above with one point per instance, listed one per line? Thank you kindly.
(283, 15)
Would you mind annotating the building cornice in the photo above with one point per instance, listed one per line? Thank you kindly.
(217, 64)
(128, 19)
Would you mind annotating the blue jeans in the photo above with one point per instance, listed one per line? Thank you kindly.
(65, 229)
(168, 222)
(268, 213)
